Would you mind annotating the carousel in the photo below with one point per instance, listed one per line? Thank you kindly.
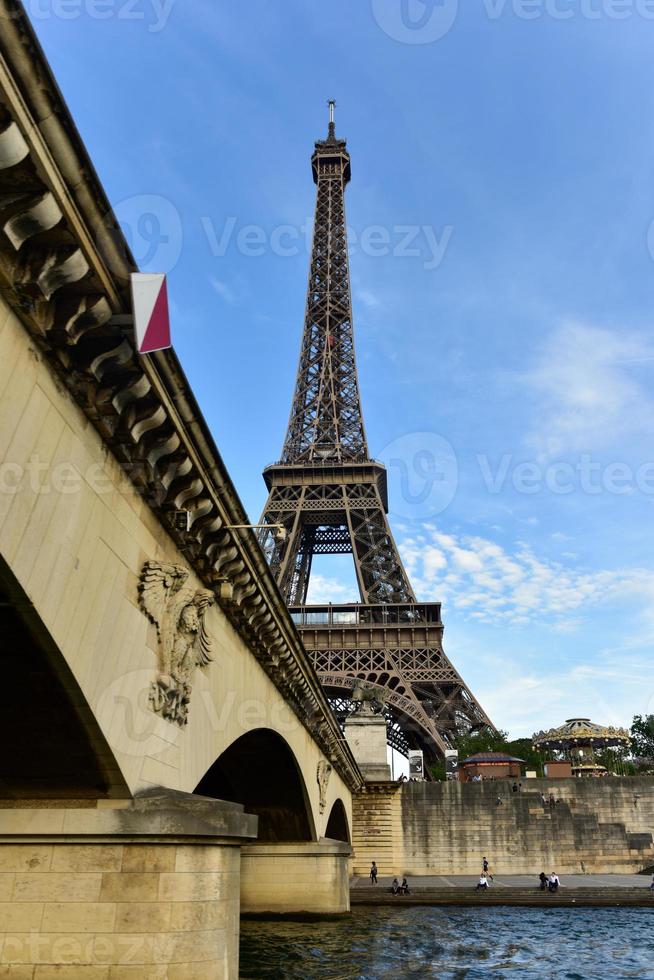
(577, 742)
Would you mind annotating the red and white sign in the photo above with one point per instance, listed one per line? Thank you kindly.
(150, 305)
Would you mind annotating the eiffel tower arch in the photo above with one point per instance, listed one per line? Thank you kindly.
(331, 498)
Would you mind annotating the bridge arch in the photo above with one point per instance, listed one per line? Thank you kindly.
(260, 771)
(337, 825)
(54, 747)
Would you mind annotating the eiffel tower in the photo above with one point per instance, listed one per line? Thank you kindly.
(330, 498)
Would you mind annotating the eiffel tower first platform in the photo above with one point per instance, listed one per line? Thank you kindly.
(331, 498)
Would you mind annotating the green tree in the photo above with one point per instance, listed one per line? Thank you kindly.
(617, 760)
(490, 741)
(642, 736)
(484, 741)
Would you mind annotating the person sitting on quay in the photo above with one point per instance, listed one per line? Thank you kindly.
(553, 883)
(395, 887)
(542, 877)
(483, 882)
(652, 885)
(404, 887)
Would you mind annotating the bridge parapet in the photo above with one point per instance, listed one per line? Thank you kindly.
(64, 270)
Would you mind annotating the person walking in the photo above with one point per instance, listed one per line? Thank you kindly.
(485, 867)
(373, 873)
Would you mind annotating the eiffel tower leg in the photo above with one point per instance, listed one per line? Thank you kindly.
(380, 571)
(302, 572)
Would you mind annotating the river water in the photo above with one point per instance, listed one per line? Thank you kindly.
(454, 944)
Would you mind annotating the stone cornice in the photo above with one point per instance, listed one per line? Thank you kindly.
(64, 269)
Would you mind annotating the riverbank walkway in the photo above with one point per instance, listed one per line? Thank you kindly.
(575, 890)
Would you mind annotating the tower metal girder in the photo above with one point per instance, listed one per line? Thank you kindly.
(331, 498)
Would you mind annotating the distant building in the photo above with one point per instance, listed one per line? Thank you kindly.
(490, 765)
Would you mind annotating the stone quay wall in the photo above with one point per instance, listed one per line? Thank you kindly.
(598, 826)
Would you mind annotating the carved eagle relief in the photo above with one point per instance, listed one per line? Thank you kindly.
(323, 773)
(184, 643)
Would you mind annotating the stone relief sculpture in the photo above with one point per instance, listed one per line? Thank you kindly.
(184, 643)
(323, 774)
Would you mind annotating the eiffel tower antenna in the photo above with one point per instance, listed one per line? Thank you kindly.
(331, 498)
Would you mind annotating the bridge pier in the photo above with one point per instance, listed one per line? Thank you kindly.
(296, 877)
(150, 888)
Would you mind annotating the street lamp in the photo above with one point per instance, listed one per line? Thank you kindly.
(182, 522)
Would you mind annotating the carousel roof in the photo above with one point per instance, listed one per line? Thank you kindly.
(489, 757)
(581, 731)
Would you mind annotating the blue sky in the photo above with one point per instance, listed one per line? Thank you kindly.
(506, 363)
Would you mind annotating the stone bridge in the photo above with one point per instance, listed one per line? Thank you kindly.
(168, 750)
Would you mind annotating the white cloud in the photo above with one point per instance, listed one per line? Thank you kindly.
(368, 299)
(486, 583)
(223, 290)
(324, 589)
(586, 389)
(527, 702)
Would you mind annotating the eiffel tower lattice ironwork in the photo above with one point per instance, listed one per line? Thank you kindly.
(331, 498)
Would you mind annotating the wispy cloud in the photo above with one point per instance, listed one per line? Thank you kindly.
(525, 701)
(367, 299)
(325, 589)
(224, 291)
(586, 389)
